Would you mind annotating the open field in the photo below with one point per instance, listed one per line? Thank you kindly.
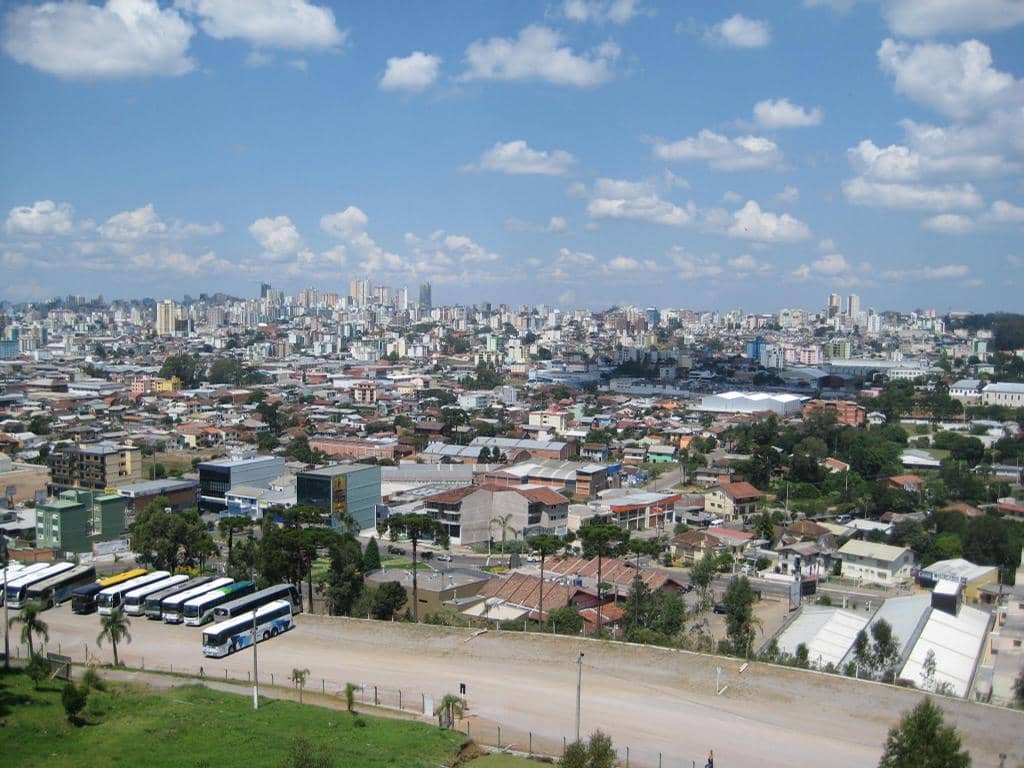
(652, 700)
(193, 726)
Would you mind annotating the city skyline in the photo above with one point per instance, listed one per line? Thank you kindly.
(576, 154)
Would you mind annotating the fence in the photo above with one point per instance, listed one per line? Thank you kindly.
(237, 670)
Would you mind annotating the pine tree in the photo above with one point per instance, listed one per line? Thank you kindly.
(371, 557)
(923, 740)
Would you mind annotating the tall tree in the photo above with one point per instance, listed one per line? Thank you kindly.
(417, 528)
(739, 616)
(371, 558)
(502, 521)
(229, 525)
(601, 540)
(31, 625)
(701, 577)
(543, 545)
(923, 740)
(114, 627)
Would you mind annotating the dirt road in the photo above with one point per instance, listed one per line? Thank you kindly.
(653, 700)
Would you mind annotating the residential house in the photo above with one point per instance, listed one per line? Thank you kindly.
(468, 512)
(731, 501)
(875, 563)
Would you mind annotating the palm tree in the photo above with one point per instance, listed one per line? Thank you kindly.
(543, 545)
(115, 629)
(502, 521)
(31, 625)
(299, 679)
(416, 527)
(450, 706)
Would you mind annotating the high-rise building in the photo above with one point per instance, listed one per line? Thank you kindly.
(835, 304)
(402, 299)
(166, 314)
(425, 300)
(265, 290)
(359, 290)
(853, 307)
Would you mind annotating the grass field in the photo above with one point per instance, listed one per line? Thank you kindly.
(194, 727)
(505, 761)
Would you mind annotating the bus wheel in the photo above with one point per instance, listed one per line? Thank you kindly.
(266, 635)
(273, 632)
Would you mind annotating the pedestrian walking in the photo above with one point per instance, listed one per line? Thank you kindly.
(462, 689)
(711, 760)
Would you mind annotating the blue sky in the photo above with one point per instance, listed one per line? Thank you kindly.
(585, 152)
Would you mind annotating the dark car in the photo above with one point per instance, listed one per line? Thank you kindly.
(721, 608)
(393, 550)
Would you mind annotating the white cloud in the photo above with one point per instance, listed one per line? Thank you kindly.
(555, 225)
(42, 218)
(740, 32)
(827, 245)
(569, 265)
(636, 200)
(690, 267)
(349, 226)
(902, 163)
(746, 264)
(179, 262)
(928, 18)
(1003, 212)
(751, 223)
(516, 157)
(292, 24)
(538, 54)
(77, 40)
(411, 73)
(958, 81)
(945, 272)
(624, 264)
(601, 11)
(345, 224)
(949, 224)
(831, 264)
(145, 223)
(862, 191)
(277, 236)
(731, 197)
(743, 153)
(782, 113)
(789, 194)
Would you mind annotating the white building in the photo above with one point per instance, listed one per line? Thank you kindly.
(876, 563)
(1006, 394)
(753, 402)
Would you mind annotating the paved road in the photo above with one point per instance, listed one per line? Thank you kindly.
(654, 700)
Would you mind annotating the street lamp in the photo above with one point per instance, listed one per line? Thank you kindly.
(579, 687)
(255, 678)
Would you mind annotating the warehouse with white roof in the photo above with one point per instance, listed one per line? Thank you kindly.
(753, 402)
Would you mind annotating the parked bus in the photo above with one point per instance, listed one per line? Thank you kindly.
(154, 601)
(16, 571)
(112, 598)
(56, 589)
(234, 634)
(17, 589)
(172, 607)
(134, 601)
(199, 610)
(256, 599)
(83, 599)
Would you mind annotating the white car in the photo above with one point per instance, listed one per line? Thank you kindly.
(444, 557)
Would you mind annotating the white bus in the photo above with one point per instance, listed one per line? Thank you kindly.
(16, 590)
(16, 571)
(112, 598)
(256, 599)
(199, 610)
(154, 602)
(56, 589)
(234, 634)
(135, 601)
(172, 606)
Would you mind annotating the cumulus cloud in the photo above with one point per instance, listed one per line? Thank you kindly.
(958, 81)
(292, 24)
(928, 18)
(569, 265)
(862, 191)
(537, 53)
(349, 226)
(277, 236)
(636, 200)
(119, 39)
(601, 11)
(690, 267)
(949, 224)
(743, 153)
(517, 157)
(42, 218)
(751, 223)
(789, 194)
(414, 72)
(782, 113)
(944, 272)
(555, 225)
(1003, 212)
(145, 222)
(745, 264)
(740, 32)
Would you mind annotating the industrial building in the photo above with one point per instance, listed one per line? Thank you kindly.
(753, 402)
(342, 490)
(216, 478)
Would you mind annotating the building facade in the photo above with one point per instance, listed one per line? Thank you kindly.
(217, 477)
(96, 467)
(341, 490)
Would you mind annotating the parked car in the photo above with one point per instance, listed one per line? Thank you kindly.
(393, 550)
(721, 608)
(533, 557)
(444, 557)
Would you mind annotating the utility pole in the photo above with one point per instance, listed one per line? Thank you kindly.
(579, 688)
(255, 677)
(7, 645)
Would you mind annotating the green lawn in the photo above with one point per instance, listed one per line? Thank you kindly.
(193, 727)
(402, 562)
(504, 761)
